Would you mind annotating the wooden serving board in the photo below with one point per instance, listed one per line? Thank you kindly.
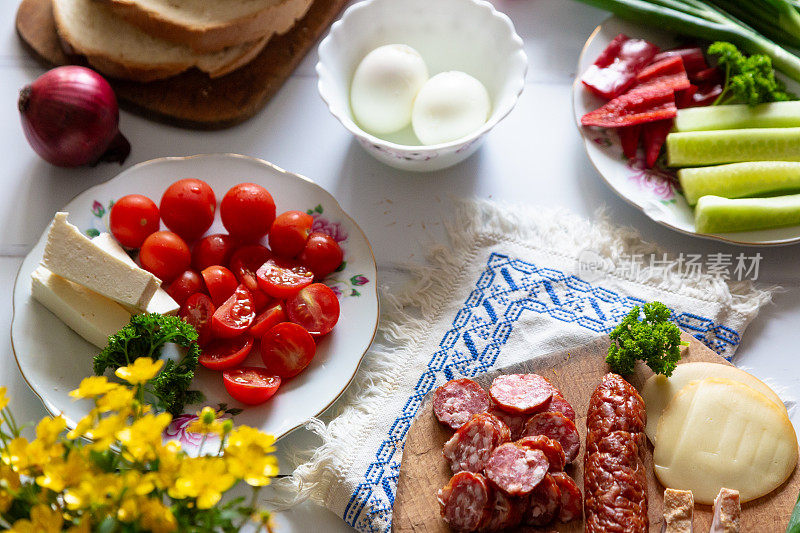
(577, 373)
(192, 99)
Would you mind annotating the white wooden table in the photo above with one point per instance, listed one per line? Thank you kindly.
(534, 156)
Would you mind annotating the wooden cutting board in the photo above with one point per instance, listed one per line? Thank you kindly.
(192, 99)
(577, 373)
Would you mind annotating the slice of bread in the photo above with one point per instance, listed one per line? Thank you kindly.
(211, 25)
(121, 50)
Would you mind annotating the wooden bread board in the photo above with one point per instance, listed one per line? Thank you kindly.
(192, 99)
(576, 372)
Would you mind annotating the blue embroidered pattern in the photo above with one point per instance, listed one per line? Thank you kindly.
(506, 289)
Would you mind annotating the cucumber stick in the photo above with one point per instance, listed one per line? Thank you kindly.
(739, 116)
(714, 214)
(697, 148)
(739, 179)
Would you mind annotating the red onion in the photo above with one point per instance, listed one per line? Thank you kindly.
(70, 118)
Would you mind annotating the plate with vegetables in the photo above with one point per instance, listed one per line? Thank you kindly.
(250, 285)
(702, 136)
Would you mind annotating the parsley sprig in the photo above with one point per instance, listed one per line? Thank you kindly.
(145, 336)
(748, 80)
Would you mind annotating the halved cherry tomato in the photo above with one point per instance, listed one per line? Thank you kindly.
(187, 208)
(266, 319)
(132, 219)
(185, 285)
(282, 278)
(250, 384)
(316, 308)
(287, 349)
(289, 233)
(321, 254)
(165, 255)
(247, 211)
(222, 354)
(234, 316)
(246, 261)
(212, 250)
(261, 299)
(220, 283)
(197, 311)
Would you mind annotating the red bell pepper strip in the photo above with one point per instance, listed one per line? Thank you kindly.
(685, 98)
(693, 58)
(614, 71)
(667, 72)
(629, 139)
(655, 135)
(645, 103)
(706, 94)
(712, 74)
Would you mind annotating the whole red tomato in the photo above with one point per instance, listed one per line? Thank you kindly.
(165, 255)
(132, 219)
(187, 208)
(247, 211)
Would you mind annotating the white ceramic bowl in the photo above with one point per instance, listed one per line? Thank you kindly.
(466, 35)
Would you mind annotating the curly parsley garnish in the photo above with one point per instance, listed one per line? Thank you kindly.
(748, 80)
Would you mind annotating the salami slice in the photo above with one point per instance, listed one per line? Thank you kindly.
(559, 404)
(506, 512)
(466, 502)
(456, 401)
(557, 427)
(516, 469)
(470, 447)
(552, 449)
(520, 393)
(544, 503)
(571, 498)
(615, 406)
(515, 422)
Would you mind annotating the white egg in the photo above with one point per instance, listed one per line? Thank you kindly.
(450, 105)
(384, 87)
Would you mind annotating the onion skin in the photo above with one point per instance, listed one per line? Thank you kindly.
(71, 118)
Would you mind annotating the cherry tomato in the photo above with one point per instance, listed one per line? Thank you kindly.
(321, 254)
(247, 211)
(165, 254)
(132, 219)
(250, 384)
(187, 208)
(185, 285)
(246, 261)
(289, 233)
(222, 354)
(212, 250)
(287, 349)
(282, 278)
(261, 299)
(197, 311)
(316, 308)
(266, 319)
(220, 283)
(234, 316)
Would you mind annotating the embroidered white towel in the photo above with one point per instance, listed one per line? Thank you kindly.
(513, 283)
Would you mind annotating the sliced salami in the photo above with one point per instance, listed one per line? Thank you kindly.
(516, 469)
(559, 404)
(544, 503)
(571, 498)
(520, 393)
(506, 512)
(515, 422)
(456, 401)
(557, 427)
(470, 447)
(616, 494)
(466, 501)
(615, 406)
(552, 449)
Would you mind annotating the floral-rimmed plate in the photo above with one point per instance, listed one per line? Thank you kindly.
(654, 191)
(53, 359)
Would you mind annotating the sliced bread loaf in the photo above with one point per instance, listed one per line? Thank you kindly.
(211, 25)
(121, 50)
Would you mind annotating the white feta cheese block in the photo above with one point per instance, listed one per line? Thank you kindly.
(727, 509)
(92, 316)
(74, 256)
(161, 302)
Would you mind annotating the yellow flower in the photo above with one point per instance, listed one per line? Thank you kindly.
(156, 517)
(84, 425)
(248, 456)
(96, 490)
(92, 386)
(24, 456)
(141, 437)
(3, 398)
(57, 475)
(128, 510)
(104, 434)
(142, 370)
(169, 465)
(204, 478)
(207, 422)
(85, 526)
(49, 429)
(120, 399)
(43, 520)
(9, 483)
